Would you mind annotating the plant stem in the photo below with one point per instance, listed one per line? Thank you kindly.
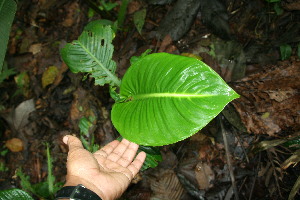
(230, 168)
(50, 176)
(122, 13)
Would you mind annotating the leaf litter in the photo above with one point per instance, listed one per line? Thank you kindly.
(196, 168)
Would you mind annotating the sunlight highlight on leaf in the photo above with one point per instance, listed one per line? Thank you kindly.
(169, 98)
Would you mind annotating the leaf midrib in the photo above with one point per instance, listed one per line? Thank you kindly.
(114, 79)
(173, 95)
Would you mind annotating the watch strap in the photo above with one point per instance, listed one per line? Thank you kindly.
(78, 192)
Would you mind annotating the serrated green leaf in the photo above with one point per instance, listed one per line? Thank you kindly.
(25, 183)
(116, 96)
(122, 13)
(285, 51)
(50, 177)
(169, 98)
(152, 158)
(92, 53)
(278, 9)
(100, 23)
(14, 194)
(7, 12)
(5, 72)
(41, 189)
(84, 125)
(153, 155)
(139, 19)
(294, 144)
(134, 59)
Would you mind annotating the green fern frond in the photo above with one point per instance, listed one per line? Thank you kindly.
(92, 53)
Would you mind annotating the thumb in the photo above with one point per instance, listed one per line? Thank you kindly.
(72, 142)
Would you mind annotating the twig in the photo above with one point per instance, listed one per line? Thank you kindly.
(275, 174)
(224, 134)
(242, 146)
(255, 177)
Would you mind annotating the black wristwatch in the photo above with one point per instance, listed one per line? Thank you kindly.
(78, 192)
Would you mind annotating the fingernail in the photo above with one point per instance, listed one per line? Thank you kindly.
(65, 139)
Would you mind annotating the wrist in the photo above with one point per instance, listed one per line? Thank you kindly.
(79, 192)
(74, 181)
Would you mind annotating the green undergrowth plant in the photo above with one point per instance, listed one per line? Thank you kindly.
(87, 138)
(3, 152)
(43, 190)
(276, 6)
(153, 155)
(117, 25)
(162, 98)
(107, 6)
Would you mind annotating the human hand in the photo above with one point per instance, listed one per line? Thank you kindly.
(108, 171)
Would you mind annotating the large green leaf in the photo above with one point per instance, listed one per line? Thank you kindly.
(14, 194)
(169, 98)
(92, 53)
(7, 12)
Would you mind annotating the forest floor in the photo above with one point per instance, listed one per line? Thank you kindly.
(253, 45)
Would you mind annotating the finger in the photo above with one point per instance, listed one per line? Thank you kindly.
(136, 165)
(72, 142)
(118, 151)
(128, 155)
(107, 149)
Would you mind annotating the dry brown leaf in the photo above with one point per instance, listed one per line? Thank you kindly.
(165, 43)
(166, 186)
(270, 100)
(291, 5)
(35, 48)
(133, 6)
(71, 15)
(15, 145)
(204, 176)
(84, 104)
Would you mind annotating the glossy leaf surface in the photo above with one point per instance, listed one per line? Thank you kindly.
(169, 98)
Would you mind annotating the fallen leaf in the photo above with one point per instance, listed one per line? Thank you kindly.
(18, 118)
(133, 6)
(139, 19)
(35, 48)
(165, 43)
(192, 56)
(204, 176)
(166, 186)
(49, 76)
(269, 101)
(71, 15)
(291, 5)
(14, 145)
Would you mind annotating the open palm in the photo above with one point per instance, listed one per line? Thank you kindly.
(108, 171)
